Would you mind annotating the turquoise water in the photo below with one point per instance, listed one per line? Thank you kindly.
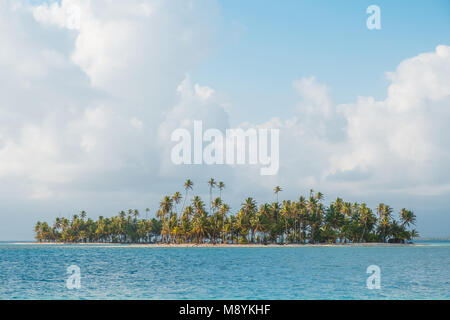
(111, 272)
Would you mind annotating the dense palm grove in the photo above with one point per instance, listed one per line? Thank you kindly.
(177, 220)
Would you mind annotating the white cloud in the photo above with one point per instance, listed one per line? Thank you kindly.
(316, 99)
(135, 49)
(397, 145)
(402, 141)
(136, 123)
(76, 94)
(196, 103)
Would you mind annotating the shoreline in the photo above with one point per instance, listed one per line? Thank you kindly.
(207, 245)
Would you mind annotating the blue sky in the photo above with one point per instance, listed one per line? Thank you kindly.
(133, 71)
(265, 45)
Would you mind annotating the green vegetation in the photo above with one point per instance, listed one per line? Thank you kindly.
(306, 220)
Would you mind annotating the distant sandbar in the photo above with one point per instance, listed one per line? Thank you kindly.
(209, 245)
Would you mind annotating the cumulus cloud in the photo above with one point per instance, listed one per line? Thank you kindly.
(397, 145)
(402, 141)
(135, 49)
(85, 86)
(196, 103)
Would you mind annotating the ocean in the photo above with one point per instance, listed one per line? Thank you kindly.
(30, 271)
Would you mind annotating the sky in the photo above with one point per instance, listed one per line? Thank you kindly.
(90, 92)
(264, 46)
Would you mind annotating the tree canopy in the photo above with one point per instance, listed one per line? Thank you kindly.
(301, 221)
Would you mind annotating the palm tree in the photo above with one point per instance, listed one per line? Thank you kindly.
(319, 196)
(247, 214)
(199, 220)
(408, 218)
(177, 198)
(217, 203)
(289, 222)
(385, 216)
(37, 230)
(221, 186)
(302, 215)
(286, 213)
(224, 209)
(263, 221)
(366, 218)
(276, 190)
(165, 207)
(212, 184)
(384, 224)
(187, 186)
(186, 222)
(414, 234)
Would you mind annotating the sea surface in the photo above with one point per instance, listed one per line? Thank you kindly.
(30, 271)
